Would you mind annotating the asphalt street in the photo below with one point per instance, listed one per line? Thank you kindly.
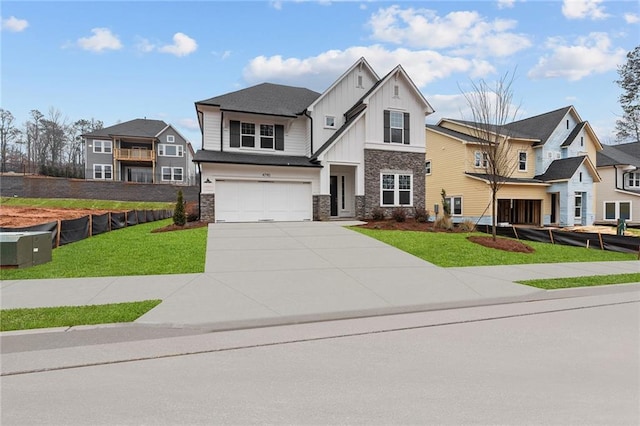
(545, 362)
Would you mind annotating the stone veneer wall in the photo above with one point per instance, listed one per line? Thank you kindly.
(360, 207)
(377, 160)
(207, 207)
(321, 207)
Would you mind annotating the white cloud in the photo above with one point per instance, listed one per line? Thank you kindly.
(592, 54)
(582, 9)
(277, 5)
(182, 45)
(467, 32)
(318, 72)
(14, 25)
(102, 39)
(189, 123)
(145, 46)
(505, 4)
(631, 18)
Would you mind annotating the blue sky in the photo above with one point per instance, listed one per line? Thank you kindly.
(118, 60)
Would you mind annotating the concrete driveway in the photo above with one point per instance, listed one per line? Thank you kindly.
(276, 273)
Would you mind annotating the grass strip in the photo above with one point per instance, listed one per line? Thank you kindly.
(68, 316)
(133, 250)
(455, 250)
(73, 203)
(556, 283)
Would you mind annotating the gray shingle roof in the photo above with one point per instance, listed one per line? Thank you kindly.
(266, 98)
(206, 156)
(610, 155)
(336, 134)
(140, 127)
(574, 134)
(541, 126)
(562, 169)
(453, 133)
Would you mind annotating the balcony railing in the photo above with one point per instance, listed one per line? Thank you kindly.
(124, 154)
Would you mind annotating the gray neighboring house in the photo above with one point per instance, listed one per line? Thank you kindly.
(140, 150)
(280, 153)
(619, 191)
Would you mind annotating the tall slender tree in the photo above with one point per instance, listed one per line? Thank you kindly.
(8, 132)
(491, 109)
(628, 126)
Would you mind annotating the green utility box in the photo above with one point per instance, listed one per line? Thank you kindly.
(24, 249)
(621, 227)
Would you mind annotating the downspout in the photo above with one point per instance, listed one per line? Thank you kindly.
(616, 176)
(306, 113)
(199, 192)
(221, 130)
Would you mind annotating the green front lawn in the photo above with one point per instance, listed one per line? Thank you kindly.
(453, 249)
(556, 283)
(69, 316)
(72, 203)
(133, 250)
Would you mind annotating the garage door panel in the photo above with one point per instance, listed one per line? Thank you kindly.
(252, 201)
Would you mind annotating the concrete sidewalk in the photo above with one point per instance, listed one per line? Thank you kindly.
(261, 274)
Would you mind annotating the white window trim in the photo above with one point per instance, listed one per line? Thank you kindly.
(396, 189)
(631, 183)
(617, 209)
(577, 195)
(103, 168)
(427, 167)
(162, 151)
(103, 146)
(451, 199)
(256, 137)
(326, 122)
(526, 161)
(483, 163)
(171, 139)
(172, 173)
(392, 127)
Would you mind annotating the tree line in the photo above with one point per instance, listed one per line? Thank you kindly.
(49, 144)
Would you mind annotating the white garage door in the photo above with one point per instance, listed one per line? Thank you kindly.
(253, 201)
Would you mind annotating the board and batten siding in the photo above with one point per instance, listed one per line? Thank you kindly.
(407, 102)
(348, 150)
(337, 101)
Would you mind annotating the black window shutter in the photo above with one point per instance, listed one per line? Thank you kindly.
(406, 129)
(387, 126)
(234, 142)
(279, 137)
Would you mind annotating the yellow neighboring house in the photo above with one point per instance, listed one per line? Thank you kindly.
(553, 179)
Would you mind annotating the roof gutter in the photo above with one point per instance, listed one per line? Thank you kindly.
(306, 114)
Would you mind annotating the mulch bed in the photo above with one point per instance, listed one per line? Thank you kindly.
(174, 227)
(505, 244)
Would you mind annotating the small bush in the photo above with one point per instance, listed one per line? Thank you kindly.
(445, 223)
(193, 212)
(421, 215)
(467, 226)
(399, 214)
(377, 214)
(179, 215)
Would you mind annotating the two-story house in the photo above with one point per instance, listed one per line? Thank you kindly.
(619, 192)
(140, 150)
(553, 170)
(280, 153)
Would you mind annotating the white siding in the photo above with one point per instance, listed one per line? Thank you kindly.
(211, 131)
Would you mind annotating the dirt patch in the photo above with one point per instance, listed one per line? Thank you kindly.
(502, 244)
(174, 227)
(412, 225)
(17, 217)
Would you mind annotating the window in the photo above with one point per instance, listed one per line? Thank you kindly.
(581, 140)
(244, 135)
(102, 171)
(359, 82)
(427, 167)
(101, 147)
(266, 136)
(396, 189)
(455, 203)
(633, 179)
(330, 121)
(522, 161)
(567, 124)
(481, 159)
(170, 150)
(172, 174)
(171, 139)
(614, 210)
(248, 135)
(580, 177)
(396, 127)
(396, 91)
(578, 205)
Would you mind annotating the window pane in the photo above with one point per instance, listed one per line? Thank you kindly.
(177, 174)
(166, 173)
(404, 182)
(248, 129)
(625, 210)
(396, 135)
(266, 130)
(388, 181)
(457, 205)
(610, 211)
(396, 119)
(107, 172)
(266, 143)
(248, 141)
(387, 198)
(405, 197)
(107, 147)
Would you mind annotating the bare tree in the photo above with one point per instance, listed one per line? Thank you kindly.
(492, 109)
(8, 132)
(628, 126)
